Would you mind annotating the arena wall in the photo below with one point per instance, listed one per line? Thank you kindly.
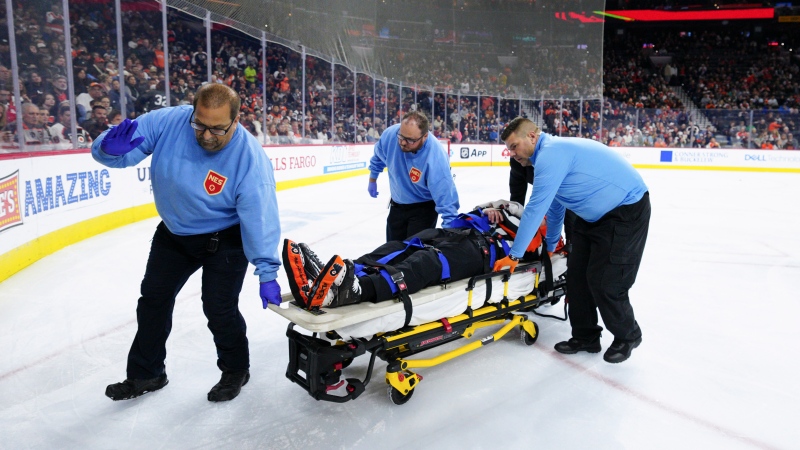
(48, 202)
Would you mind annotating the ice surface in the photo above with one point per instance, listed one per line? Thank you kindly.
(715, 297)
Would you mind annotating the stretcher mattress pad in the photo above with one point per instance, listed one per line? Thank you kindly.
(430, 304)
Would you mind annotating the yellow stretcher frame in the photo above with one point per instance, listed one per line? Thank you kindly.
(316, 364)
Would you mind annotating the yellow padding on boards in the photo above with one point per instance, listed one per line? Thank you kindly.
(30, 252)
(26, 254)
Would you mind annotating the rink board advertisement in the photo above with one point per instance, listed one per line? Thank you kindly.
(45, 194)
(712, 159)
(298, 162)
(49, 202)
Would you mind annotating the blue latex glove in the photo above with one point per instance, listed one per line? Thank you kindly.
(117, 141)
(373, 189)
(270, 293)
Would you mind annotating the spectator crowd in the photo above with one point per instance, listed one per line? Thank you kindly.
(662, 89)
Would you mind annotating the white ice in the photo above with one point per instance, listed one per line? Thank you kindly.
(715, 297)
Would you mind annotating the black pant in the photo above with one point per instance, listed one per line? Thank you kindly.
(407, 220)
(172, 260)
(602, 268)
(421, 267)
(569, 224)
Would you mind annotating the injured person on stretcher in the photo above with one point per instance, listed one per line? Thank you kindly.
(397, 269)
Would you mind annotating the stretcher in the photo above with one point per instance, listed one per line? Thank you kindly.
(440, 315)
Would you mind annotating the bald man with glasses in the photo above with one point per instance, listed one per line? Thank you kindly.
(420, 182)
(214, 189)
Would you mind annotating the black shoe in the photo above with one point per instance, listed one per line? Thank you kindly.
(620, 350)
(134, 388)
(311, 262)
(229, 386)
(573, 346)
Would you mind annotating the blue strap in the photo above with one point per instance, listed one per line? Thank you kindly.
(506, 248)
(414, 242)
(445, 266)
(389, 280)
(468, 220)
(359, 268)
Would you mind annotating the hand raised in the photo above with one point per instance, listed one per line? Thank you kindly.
(117, 141)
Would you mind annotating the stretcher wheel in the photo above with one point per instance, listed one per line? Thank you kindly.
(526, 338)
(398, 398)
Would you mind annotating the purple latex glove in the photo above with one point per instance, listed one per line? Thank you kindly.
(372, 188)
(117, 141)
(270, 293)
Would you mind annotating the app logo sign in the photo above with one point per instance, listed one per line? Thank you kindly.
(10, 215)
(466, 153)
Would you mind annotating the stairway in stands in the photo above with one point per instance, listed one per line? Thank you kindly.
(695, 113)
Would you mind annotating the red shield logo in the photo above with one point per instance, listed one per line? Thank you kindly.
(415, 174)
(506, 153)
(214, 183)
(9, 201)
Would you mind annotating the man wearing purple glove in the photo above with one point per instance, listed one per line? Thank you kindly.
(420, 181)
(214, 189)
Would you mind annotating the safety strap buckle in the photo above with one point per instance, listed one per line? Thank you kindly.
(398, 279)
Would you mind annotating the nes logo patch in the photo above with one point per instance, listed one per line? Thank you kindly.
(10, 213)
(214, 183)
(415, 174)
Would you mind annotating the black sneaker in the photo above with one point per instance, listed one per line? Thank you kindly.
(578, 345)
(620, 350)
(311, 262)
(229, 386)
(134, 388)
(349, 292)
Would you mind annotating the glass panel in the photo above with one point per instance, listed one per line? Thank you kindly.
(239, 68)
(318, 91)
(439, 117)
(488, 119)
(425, 102)
(41, 63)
(365, 107)
(393, 104)
(344, 123)
(469, 118)
(143, 50)
(453, 118)
(406, 99)
(8, 111)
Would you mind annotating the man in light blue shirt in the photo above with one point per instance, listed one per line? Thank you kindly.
(612, 205)
(420, 181)
(214, 189)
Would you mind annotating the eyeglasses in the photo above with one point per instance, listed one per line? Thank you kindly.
(214, 131)
(409, 141)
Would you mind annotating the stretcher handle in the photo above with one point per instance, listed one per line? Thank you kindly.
(530, 267)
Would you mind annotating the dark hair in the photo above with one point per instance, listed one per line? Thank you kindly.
(114, 113)
(517, 123)
(420, 119)
(214, 95)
